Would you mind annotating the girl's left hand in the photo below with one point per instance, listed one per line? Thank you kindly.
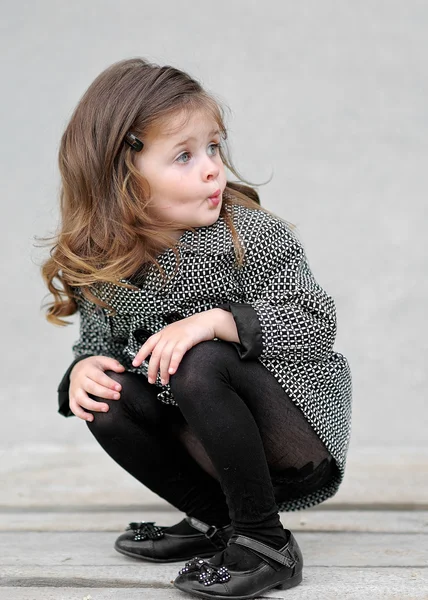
(169, 345)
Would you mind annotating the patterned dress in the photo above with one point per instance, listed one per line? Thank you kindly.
(284, 319)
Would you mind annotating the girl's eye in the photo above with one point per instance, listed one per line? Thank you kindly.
(216, 148)
(181, 156)
(184, 158)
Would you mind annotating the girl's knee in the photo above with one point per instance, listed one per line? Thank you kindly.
(135, 404)
(105, 423)
(201, 364)
(121, 378)
(138, 400)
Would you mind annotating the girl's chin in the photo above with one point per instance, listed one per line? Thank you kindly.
(207, 222)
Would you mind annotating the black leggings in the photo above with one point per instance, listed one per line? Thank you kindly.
(216, 454)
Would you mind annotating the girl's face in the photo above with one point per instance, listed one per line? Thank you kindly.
(184, 169)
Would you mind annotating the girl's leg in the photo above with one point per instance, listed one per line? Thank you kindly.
(248, 427)
(140, 434)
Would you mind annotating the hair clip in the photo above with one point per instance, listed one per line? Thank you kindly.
(133, 141)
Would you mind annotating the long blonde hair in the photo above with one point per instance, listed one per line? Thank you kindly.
(106, 231)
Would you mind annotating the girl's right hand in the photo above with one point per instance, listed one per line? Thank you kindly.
(88, 376)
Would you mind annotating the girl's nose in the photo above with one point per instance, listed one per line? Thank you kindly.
(210, 170)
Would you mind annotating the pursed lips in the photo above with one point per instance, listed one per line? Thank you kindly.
(217, 193)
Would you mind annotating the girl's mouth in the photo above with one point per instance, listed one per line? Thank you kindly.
(215, 198)
(215, 195)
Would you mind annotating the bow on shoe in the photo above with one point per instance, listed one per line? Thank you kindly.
(208, 574)
(145, 530)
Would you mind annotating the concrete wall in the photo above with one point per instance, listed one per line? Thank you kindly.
(328, 96)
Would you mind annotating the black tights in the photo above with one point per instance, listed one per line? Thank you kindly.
(214, 455)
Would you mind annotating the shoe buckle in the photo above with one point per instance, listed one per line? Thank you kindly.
(211, 531)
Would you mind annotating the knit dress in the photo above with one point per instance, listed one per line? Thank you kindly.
(284, 318)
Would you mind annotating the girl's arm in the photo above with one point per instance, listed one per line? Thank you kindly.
(95, 340)
(224, 325)
(286, 313)
(63, 398)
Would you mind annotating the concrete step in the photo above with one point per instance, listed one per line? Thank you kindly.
(318, 584)
(69, 477)
(76, 554)
(348, 555)
(310, 520)
(337, 565)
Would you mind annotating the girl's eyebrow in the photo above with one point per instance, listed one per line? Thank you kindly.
(184, 142)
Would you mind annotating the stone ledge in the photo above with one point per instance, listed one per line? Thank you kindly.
(66, 476)
(318, 583)
(310, 520)
(57, 555)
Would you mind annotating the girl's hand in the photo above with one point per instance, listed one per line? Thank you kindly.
(168, 346)
(87, 376)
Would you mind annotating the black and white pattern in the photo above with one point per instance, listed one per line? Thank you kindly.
(284, 319)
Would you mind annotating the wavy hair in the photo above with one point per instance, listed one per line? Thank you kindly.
(106, 231)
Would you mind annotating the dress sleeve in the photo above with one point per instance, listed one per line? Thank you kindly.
(286, 313)
(95, 340)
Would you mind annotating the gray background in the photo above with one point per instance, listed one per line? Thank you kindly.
(328, 97)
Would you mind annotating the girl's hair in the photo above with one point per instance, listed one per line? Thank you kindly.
(107, 232)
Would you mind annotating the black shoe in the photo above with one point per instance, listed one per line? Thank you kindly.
(148, 541)
(278, 569)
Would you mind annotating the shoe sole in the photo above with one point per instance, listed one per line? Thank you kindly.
(289, 583)
(163, 560)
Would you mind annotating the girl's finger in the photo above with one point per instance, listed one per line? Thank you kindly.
(106, 363)
(155, 362)
(79, 412)
(104, 380)
(165, 362)
(83, 400)
(95, 388)
(144, 351)
(176, 359)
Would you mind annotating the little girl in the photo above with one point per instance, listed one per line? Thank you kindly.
(205, 365)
